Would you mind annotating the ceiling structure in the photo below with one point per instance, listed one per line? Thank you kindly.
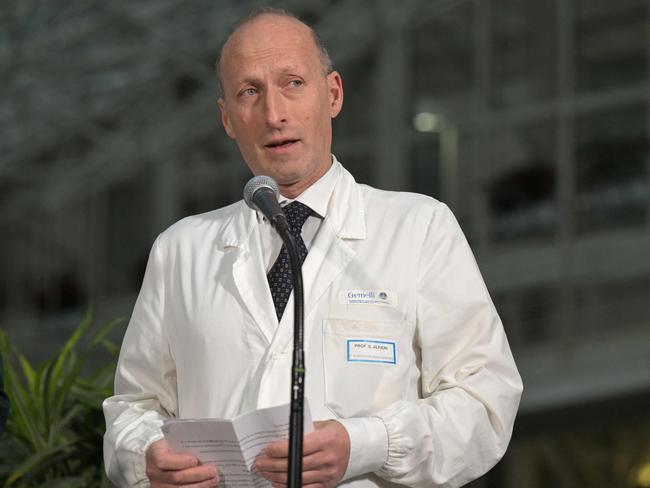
(95, 92)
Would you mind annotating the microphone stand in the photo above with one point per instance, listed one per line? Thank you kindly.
(298, 366)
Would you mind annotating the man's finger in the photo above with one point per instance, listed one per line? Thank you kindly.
(273, 477)
(203, 484)
(313, 477)
(315, 461)
(174, 462)
(160, 456)
(313, 442)
(273, 465)
(321, 437)
(279, 449)
(308, 477)
(198, 474)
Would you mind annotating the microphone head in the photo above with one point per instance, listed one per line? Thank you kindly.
(256, 183)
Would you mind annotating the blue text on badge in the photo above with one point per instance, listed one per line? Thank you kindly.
(371, 351)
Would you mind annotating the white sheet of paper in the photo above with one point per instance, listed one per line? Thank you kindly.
(233, 445)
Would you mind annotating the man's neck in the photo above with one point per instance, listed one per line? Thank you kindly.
(293, 190)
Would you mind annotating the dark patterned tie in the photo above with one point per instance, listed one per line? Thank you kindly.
(279, 276)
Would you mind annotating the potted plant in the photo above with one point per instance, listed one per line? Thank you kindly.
(55, 427)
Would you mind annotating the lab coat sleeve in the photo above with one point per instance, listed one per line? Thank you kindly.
(145, 383)
(470, 386)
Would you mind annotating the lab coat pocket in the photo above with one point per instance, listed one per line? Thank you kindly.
(366, 365)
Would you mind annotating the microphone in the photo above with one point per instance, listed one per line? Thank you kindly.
(261, 193)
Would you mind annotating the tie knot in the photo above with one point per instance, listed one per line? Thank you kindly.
(297, 214)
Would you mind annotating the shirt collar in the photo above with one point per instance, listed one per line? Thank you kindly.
(317, 196)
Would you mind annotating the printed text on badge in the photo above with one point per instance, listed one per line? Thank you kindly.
(371, 351)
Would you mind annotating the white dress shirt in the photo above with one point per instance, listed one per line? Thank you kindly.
(316, 197)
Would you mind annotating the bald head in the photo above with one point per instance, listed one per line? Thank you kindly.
(278, 100)
(243, 28)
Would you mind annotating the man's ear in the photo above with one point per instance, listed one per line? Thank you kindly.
(225, 119)
(335, 87)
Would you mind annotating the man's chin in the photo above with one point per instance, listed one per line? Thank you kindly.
(285, 170)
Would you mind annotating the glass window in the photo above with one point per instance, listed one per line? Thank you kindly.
(528, 314)
(425, 169)
(205, 180)
(608, 308)
(538, 307)
(611, 169)
(129, 204)
(357, 117)
(611, 43)
(360, 164)
(523, 51)
(624, 304)
(521, 191)
(443, 53)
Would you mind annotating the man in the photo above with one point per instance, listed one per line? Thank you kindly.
(408, 369)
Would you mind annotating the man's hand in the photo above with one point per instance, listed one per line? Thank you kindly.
(326, 453)
(166, 469)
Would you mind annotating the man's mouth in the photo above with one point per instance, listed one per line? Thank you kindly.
(281, 144)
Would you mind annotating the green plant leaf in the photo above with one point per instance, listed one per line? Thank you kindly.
(111, 347)
(21, 418)
(56, 424)
(22, 421)
(28, 371)
(93, 391)
(68, 482)
(66, 368)
(59, 424)
(44, 374)
(103, 331)
(38, 461)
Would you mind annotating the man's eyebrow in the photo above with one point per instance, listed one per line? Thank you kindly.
(289, 69)
(249, 80)
(285, 70)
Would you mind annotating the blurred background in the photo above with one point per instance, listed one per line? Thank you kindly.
(529, 118)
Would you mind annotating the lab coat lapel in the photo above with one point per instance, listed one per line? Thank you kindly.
(330, 252)
(240, 237)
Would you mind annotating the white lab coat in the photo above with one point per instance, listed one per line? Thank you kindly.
(434, 407)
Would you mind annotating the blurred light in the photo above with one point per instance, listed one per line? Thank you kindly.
(427, 122)
(643, 476)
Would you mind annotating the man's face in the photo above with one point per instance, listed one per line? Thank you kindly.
(278, 103)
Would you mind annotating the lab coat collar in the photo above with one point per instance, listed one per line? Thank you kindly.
(329, 254)
(317, 196)
(345, 212)
(344, 220)
(237, 229)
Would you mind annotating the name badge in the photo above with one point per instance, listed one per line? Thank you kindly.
(369, 297)
(371, 351)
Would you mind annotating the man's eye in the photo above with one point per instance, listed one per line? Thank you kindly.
(296, 83)
(248, 92)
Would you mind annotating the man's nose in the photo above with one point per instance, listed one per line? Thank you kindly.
(275, 108)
